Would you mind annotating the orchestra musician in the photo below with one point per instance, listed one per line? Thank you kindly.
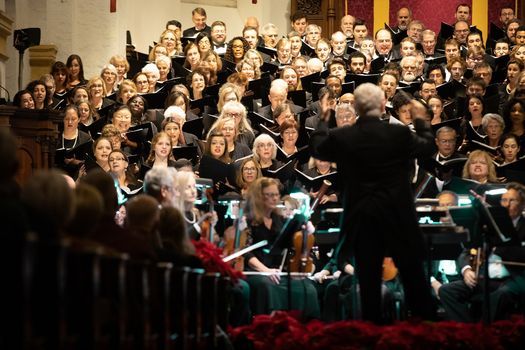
(269, 291)
(507, 282)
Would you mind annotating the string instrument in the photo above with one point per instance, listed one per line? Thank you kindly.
(207, 231)
(389, 269)
(303, 241)
(475, 260)
(322, 190)
(236, 243)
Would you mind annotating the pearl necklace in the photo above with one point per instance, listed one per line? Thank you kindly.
(192, 221)
(74, 144)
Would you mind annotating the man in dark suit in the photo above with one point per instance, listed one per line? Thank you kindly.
(375, 160)
(507, 282)
(278, 94)
(198, 17)
(446, 138)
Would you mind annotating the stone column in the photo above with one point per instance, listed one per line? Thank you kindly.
(41, 58)
(6, 29)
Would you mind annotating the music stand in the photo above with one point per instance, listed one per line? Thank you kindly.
(495, 221)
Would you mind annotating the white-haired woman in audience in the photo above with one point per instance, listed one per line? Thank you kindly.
(264, 152)
(163, 64)
(493, 125)
(109, 75)
(153, 74)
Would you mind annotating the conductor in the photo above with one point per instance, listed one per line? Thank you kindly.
(375, 159)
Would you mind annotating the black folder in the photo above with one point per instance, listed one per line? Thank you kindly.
(216, 170)
(314, 183)
(79, 152)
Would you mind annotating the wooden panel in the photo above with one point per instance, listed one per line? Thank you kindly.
(36, 133)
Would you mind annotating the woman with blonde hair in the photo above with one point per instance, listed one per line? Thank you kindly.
(172, 41)
(97, 93)
(157, 51)
(236, 110)
(480, 167)
(126, 91)
(265, 222)
(121, 64)
(249, 68)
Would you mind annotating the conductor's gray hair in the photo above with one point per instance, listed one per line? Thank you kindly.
(369, 100)
(159, 177)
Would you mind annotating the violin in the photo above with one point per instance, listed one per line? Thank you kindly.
(303, 241)
(207, 231)
(236, 243)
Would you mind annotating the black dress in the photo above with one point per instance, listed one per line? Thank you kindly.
(265, 296)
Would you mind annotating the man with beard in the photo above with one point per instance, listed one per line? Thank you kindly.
(404, 17)
(218, 37)
(415, 29)
(409, 68)
(357, 62)
(347, 26)
(506, 14)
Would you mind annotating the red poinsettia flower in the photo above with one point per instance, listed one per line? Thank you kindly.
(210, 256)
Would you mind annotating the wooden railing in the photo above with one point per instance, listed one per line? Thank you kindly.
(58, 295)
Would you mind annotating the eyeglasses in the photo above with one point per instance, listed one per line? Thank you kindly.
(232, 114)
(509, 201)
(249, 170)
